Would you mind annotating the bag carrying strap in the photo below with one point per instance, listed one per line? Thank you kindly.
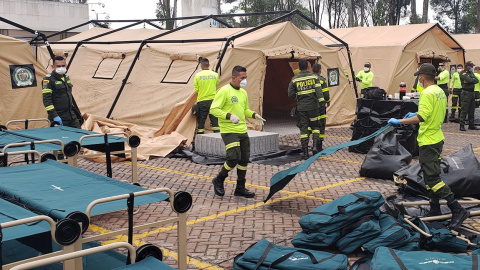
(264, 255)
(288, 255)
(397, 259)
(355, 225)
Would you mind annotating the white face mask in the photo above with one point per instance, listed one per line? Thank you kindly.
(366, 69)
(61, 70)
(459, 70)
(420, 84)
(243, 83)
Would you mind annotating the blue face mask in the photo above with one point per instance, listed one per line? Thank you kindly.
(471, 70)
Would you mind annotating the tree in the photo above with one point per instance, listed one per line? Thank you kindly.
(425, 11)
(413, 9)
(458, 16)
(165, 12)
(478, 17)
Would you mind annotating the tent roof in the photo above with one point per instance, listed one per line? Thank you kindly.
(396, 35)
(469, 41)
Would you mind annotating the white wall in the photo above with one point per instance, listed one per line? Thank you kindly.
(43, 15)
(198, 8)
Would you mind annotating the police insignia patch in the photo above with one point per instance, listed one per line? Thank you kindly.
(22, 76)
(234, 100)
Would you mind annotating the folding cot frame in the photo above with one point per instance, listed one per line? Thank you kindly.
(72, 158)
(175, 201)
(78, 254)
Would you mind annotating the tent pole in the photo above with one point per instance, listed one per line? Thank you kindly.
(124, 81)
(338, 39)
(74, 53)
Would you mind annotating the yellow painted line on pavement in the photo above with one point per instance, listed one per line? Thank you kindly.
(462, 134)
(342, 160)
(166, 252)
(228, 181)
(246, 208)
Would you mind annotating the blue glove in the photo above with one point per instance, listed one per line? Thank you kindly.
(410, 114)
(58, 119)
(394, 122)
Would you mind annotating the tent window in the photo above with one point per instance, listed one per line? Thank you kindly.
(180, 72)
(108, 67)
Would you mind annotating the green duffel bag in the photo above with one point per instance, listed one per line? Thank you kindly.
(390, 259)
(264, 255)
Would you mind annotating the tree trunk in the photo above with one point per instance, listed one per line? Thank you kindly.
(413, 9)
(425, 11)
(350, 13)
(478, 17)
(362, 12)
(174, 13)
(219, 9)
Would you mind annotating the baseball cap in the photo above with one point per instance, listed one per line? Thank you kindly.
(367, 64)
(427, 69)
(469, 63)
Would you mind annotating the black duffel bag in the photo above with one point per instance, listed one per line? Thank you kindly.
(385, 157)
(375, 93)
(460, 171)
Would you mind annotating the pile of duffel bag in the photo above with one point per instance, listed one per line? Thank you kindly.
(356, 221)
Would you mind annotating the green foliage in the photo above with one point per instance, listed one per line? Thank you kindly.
(164, 12)
(457, 16)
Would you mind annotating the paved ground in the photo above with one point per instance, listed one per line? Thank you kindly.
(220, 228)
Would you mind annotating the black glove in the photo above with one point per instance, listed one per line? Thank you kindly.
(358, 79)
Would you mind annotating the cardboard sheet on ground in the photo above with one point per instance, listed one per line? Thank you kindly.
(154, 142)
(281, 179)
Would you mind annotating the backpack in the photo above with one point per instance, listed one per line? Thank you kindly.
(264, 255)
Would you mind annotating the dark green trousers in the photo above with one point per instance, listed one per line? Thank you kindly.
(202, 112)
(468, 107)
(323, 121)
(430, 158)
(308, 119)
(456, 101)
(237, 146)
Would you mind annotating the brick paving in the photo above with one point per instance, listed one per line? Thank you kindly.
(220, 228)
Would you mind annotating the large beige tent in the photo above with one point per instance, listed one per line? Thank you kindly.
(21, 81)
(471, 44)
(159, 90)
(395, 51)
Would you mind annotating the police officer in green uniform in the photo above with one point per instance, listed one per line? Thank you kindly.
(306, 88)
(442, 81)
(468, 80)
(57, 95)
(231, 107)
(324, 104)
(431, 113)
(205, 84)
(456, 91)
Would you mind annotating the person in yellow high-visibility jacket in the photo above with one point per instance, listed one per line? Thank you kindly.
(365, 77)
(477, 86)
(230, 106)
(442, 81)
(205, 84)
(456, 91)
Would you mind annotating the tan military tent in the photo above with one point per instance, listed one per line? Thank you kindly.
(21, 81)
(395, 51)
(159, 90)
(471, 44)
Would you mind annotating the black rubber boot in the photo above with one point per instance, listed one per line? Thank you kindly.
(434, 208)
(218, 183)
(315, 147)
(305, 153)
(240, 190)
(462, 127)
(459, 214)
(472, 127)
(446, 116)
(320, 146)
(452, 117)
